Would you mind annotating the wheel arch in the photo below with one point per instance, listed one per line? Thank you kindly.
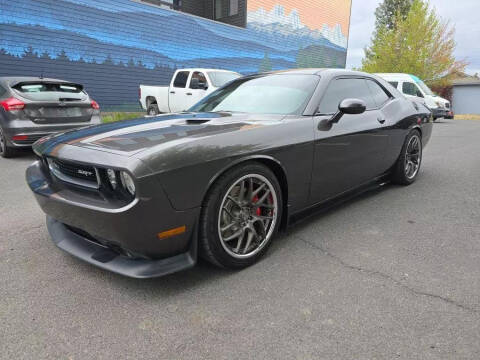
(151, 100)
(418, 128)
(273, 165)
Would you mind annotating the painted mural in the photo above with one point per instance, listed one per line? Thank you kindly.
(111, 46)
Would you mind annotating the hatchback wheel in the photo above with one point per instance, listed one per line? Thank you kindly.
(5, 151)
(241, 215)
(410, 160)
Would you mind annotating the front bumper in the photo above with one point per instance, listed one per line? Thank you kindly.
(120, 239)
(108, 259)
(439, 113)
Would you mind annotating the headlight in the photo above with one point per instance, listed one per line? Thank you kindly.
(112, 177)
(127, 182)
(438, 104)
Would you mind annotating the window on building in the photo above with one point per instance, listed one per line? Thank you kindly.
(168, 4)
(225, 8)
(233, 12)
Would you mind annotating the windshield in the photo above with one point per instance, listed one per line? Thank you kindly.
(220, 78)
(269, 94)
(425, 88)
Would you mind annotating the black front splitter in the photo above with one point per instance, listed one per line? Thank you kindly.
(107, 259)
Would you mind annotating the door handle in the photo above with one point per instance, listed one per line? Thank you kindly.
(172, 92)
(189, 94)
(381, 120)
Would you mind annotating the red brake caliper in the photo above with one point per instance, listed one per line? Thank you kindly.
(255, 199)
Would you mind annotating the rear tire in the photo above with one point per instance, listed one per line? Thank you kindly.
(153, 110)
(240, 216)
(408, 165)
(5, 151)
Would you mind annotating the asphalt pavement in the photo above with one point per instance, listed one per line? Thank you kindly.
(393, 274)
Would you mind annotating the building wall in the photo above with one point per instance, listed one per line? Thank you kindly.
(465, 99)
(112, 46)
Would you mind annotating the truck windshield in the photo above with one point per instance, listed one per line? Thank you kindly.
(220, 78)
(268, 94)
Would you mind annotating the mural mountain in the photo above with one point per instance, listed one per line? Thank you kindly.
(112, 46)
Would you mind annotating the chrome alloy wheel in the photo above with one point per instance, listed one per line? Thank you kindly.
(247, 216)
(413, 157)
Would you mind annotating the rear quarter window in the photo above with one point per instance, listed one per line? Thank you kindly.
(379, 95)
(345, 88)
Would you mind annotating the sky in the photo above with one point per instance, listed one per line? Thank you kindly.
(464, 14)
(312, 13)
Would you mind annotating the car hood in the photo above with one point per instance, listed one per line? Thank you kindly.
(130, 137)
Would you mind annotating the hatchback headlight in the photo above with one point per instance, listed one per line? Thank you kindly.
(127, 182)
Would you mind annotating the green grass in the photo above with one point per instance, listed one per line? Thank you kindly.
(109, 117)
(467, 117)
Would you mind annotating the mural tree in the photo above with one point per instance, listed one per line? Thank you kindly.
(266, 64)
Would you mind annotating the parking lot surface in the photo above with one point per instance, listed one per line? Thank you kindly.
(393, 274)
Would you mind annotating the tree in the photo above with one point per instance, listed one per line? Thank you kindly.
(421, 44)
(388, 12)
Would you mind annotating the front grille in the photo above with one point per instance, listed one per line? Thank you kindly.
(75, 173)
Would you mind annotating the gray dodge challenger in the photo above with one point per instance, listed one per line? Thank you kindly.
(146, 197)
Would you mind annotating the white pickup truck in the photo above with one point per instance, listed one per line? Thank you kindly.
(188, 86)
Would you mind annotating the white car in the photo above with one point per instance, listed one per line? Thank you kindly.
(187, 87)
(412, 86)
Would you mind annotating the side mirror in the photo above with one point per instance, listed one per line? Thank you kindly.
(349, 106)
(194, 84)
(202, 86)
(352, 106)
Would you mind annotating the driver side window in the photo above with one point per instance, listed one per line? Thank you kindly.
(341, 89)
(409, 88)
(202, 80)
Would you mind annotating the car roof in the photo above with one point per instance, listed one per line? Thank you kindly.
(397, 76)
(322, 71)
(13, 80)
(204, 69)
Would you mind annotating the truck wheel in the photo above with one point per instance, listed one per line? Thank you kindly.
(153, 110)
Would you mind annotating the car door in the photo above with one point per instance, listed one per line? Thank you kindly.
(198, 86)
(178, 92)
(350, 152)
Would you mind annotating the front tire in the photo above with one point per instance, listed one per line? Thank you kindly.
(240, 216)
(408, 164)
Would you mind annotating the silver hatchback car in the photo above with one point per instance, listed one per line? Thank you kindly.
(32, 107)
